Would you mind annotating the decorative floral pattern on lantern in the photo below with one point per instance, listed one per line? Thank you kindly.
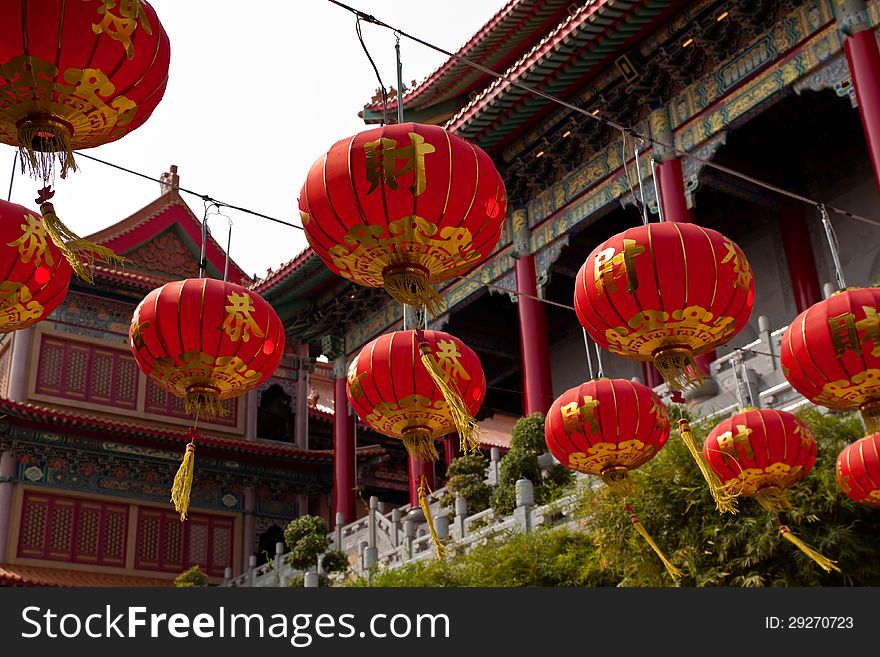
(35, 275)
(418, 386)
(206, 340)
(858, 470)
(665, 292)
(607, 427)
(403, 207)
(77, 74)
(831, 353)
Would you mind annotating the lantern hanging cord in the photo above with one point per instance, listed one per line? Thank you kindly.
(647, 139)
(360, 36)
(833, 245)
(12, 177)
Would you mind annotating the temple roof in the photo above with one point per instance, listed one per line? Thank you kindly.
(17, 575)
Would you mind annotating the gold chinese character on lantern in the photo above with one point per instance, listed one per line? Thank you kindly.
(843, 333)
(354, 384)
(121, 27)
(740, 266)
(610, 266)
(382, 156)
(574, 416)
(13, 311)
(447, 361)
(730, 443)
(870, 328)
(238, 323)
(32, 243)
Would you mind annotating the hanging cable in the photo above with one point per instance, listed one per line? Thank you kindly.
(203, 263)
(360, 35)
(228, 247)
(833, 245)
(637, 148)
(657, 189)
(399, 79)
(587, 349)
(600, 372)
(12, 177)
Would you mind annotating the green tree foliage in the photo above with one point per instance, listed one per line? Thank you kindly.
(334, 561)
(306, 538)
(193, 577)
(466, 476)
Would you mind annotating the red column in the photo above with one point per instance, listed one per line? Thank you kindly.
(343, 450)
(670, 181)
(537, 384)
(799, 256)
(863, 58)
(650, 374)
(452, 448)
(418, 469)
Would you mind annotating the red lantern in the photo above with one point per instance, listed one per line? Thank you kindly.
(77, 74)
(403, 207)
(418, 386)
(831, 353)
(206, 340)
(858, 471)
(665, 292)
(606, 427)
(35, 275)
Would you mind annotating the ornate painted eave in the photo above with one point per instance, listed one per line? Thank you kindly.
(502, 40)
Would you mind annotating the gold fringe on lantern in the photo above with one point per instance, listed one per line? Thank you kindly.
(824, 562)
(42, 142)
(420, 446)
(204, 401)
(619, 481)
(725, 499)
(183, 480)
(678, 368)
(871, 416)
(409, 285)
(674, 572)
(424, 491)
(468, 433)
(80, 253)
(774, 499)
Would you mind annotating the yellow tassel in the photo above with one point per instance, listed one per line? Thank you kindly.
(80, 253)
(824, 562)
(183, 480)
(725, 500)
(204, 401)
(674, 572)
(420, 446)
(678, 368)
(40, 143)
(410, 286)
(619, 481)
(871, 416)
(468, 432)
(773, 499)
(424, 491)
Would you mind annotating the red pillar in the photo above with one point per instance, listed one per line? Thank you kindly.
(343, 449)
(417, 470)
(452, 448)
(537, 385)
(863, 58)
(650, 374)
(799, 256)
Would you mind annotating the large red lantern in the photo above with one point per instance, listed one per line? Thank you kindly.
(665, 292)
(34, 275)
(831, 353)
(403, 207)
(77, 74)
(761, 453)
(858, 471)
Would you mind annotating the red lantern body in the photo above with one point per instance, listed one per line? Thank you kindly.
(34, 275)
(606, 427)
(761, 452)
(665, 292)
(77, 73)
(391, 390)
(206, 340)
(858, 470)
(831, 353)
(403, 206)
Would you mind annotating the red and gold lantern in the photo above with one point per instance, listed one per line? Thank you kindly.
(831, 353)
(858, 471)
(35, 275)
(77, 74)
(665, 292)
(403, 207)
(761, 453)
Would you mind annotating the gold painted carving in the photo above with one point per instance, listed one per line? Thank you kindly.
(651, 330)
(780, 475)
(629, 454)
(849, 394)
(228, 374)
(412, 413)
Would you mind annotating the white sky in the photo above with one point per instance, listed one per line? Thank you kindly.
(257, 92)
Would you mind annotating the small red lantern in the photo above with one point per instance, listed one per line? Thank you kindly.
(403, 207)
(35, 275)
(858, 471)
(831, 353)
(761, 453)
(665, 292)
(77, 74)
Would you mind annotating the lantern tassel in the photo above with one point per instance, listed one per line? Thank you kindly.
(40, 144)
(678, 368)
(180, 490)
(824, 562)
(424, 491)
(468, 432)
(420, 446)
(204, 401)
(774, 499)
(80, 253)
(410, 286)
(871, 415)
(674, 572)
(620, 482)
(725, 500)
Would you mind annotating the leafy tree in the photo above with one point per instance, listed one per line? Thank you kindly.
(306, 538)
(466, 476)
(193, 577)
(335, 561)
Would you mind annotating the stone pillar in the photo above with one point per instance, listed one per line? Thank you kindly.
(301, 430)
(18, 374)
(417, 470)
(7, 483)
(302, 505)
(252, 398)
(863, 58)
(249, 533)
(799, 256)
(343, 447)
(451, 448)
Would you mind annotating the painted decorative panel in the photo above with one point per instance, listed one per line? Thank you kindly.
(162, 403)
(166, 544)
